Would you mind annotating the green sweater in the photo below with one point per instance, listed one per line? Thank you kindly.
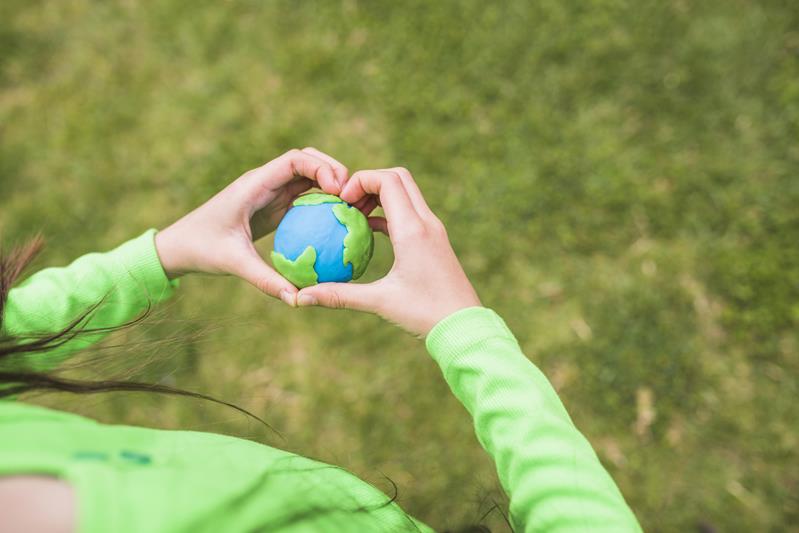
(132, 479)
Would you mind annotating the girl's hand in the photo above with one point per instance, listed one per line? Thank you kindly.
(218, 236)
(426, 282)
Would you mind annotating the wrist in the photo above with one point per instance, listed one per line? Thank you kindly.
(467, 300)
(168, 251)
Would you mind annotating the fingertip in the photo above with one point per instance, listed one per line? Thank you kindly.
(349, 191)
(341, 172)
(342, 176)
(329, 180)
(289, 297)
(305, 299)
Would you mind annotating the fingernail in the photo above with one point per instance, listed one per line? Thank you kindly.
(306, 299)
(287, 297)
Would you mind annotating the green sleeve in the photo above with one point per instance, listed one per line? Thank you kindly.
(551, 474)
(124, 282)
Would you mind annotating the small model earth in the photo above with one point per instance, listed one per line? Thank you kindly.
(322, 238)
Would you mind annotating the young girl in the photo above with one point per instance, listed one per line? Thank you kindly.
(62, 472)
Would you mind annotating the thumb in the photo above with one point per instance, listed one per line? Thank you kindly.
(357, 296)
(252, 268)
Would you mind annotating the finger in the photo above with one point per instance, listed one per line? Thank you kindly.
(402, 218)
(264, 181)
(263, 221)
(360, 203)
(378, 224)
(419, 203)
(342, 174)
(254, 270)
(371, 204)
(356, 296)
(367, 204)
(295, 188)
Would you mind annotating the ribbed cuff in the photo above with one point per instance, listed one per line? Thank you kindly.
(138, 258)
(461, 330)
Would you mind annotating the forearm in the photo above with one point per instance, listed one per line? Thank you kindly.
(549, 470)
(115, 287)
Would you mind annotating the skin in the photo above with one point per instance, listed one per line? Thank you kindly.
(36, 504)
(425, 284)
(218, 236)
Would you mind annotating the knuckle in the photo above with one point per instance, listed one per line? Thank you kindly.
(268, 286)
(415, 232)
(394, 179)
(336, 301)
(438, 227)
(294, 153)
(325, 167)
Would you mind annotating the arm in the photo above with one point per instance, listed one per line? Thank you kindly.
(548, 469)
(215, 238)
(552, 475)
(122, 284)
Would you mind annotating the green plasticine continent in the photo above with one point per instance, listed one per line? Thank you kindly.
(300, 271)
(317, 198)
(359, 242)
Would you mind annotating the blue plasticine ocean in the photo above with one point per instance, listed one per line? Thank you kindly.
(317, 226)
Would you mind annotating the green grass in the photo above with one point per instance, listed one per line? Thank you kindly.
(620, 179)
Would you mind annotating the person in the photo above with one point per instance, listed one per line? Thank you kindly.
(63, 472)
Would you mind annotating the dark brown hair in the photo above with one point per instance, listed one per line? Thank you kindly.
(16, 379)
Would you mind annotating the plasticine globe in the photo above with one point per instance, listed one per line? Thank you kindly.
(322, 238)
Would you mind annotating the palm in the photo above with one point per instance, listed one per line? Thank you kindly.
(217, 237)
(265, 220)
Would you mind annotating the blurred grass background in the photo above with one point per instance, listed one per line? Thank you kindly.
(619, 179)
